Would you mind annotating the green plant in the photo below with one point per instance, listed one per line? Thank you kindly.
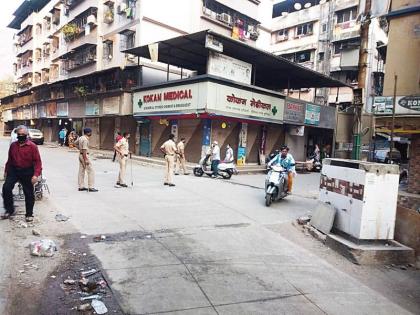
(80, 90)
(109, 16)
(70, 31)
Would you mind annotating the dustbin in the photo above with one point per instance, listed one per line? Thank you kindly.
(364, 195)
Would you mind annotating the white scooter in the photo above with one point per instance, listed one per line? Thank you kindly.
(276, 183)
(225, 170)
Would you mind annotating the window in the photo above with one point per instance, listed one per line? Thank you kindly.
(324, 28)
(127, 40)
(347, 15)
(304, 29)
(303, 56)
(300, 56)
(350, 44)
(321, 56)
(282, 35)
(108, 49)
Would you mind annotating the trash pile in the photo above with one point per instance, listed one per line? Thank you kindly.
(91, 287)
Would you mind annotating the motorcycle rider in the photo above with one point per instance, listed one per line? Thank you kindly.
(229, 154)
(285, 160)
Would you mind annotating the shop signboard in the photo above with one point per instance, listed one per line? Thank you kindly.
(294, 112)
(7, 116)
(176, 99)
(229, 68)
(405, 105)
(51, 109)
(92, 109)
(42, 111)
(111, 105)
(225, 99)
(328, 118)
(62, 109)
(27, 113)
(312, 114)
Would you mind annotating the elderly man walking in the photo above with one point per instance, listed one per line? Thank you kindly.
(23, 165)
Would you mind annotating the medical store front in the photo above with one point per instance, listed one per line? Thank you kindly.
(308, 125)
(203, 110)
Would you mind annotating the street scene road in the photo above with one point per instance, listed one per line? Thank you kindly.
(206, 246)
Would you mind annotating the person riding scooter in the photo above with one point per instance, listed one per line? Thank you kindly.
(215, 158)
(285, 160)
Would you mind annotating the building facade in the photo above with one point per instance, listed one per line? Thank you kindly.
(326, 36)
(404, 77)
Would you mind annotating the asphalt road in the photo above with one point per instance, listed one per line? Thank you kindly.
(211, 246)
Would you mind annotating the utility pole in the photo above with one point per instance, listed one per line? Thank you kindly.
(394, 104)
(363, 62)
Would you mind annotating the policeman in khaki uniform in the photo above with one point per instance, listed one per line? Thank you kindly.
(122, 149)
(85, 165)
(169, 150)
(180, 161)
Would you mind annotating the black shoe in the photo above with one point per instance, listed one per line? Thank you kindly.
(166, 184)
(92, 190)
(171, 185)
(83, 189)
(123, 185)
(176, 173)
(118, 184)
(8, 215)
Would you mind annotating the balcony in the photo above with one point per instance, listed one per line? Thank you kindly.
(346, 30)
(81, 58)
(345, 4)
(82, 25)
(25, 82)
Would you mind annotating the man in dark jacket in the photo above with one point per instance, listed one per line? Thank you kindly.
(24, 166)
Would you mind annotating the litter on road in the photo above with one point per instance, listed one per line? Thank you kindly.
(61, 218)
(99, 307)
(43, 248)
(91, 297)
(88, 273)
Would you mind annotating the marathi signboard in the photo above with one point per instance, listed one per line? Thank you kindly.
(229, 68)
(294, 112)
(111, 105)
(224, 99)
(312, 114)
(62, 109)
(42, 111)
(92, 109)
(51, 109)
(405, 105)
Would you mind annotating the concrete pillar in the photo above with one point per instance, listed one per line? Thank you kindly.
(414, 166)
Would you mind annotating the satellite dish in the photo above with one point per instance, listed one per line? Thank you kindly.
(307, 5)
(297, 6)
(322, 1)
(284, 13)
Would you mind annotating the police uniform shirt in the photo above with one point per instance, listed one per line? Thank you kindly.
(169, 147)
(124, 146)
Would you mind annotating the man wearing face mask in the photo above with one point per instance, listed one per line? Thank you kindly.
(285, 160)
(23, 165)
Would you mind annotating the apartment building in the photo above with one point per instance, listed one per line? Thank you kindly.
(71, 69)
(326, 36)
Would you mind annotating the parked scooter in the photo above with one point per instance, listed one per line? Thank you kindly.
(275, 184)
(225, 170)
(314, 164)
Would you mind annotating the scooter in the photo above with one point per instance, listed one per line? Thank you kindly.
(225, 170)
(314, 163)
(275, 184)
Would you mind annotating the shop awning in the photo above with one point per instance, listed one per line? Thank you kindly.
(271, 72)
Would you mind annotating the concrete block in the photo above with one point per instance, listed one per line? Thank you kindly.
(323, 217)
(371, 252)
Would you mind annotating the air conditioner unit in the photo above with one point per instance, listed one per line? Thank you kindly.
(281, 38)
(91, 19)
(226, 18)
(207, 11)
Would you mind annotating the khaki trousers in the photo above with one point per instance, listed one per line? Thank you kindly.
(180, 162)
(83, 169)
(169, 168)
(123, 167)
